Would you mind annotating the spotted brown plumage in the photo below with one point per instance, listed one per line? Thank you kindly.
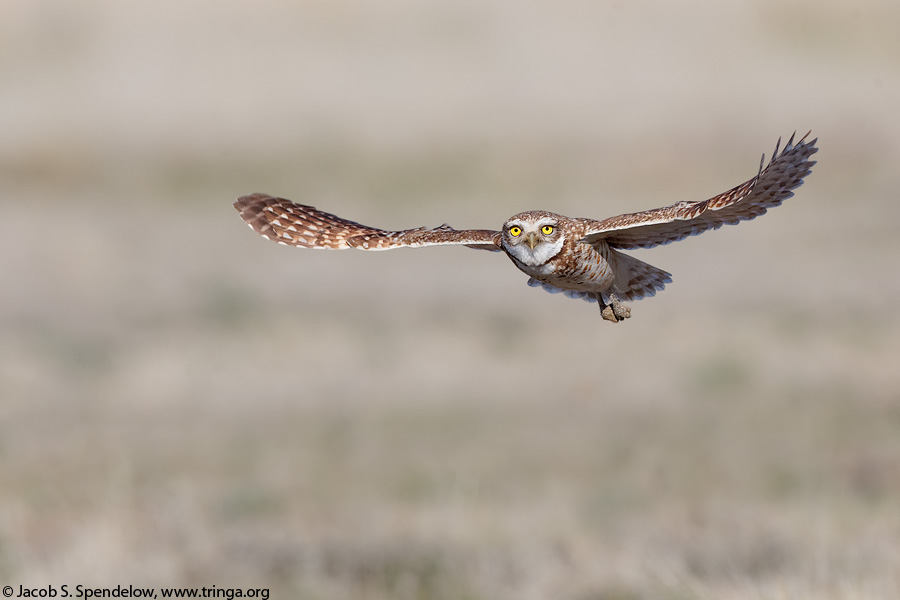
(771, 186)
(293, 224)
(578, 257)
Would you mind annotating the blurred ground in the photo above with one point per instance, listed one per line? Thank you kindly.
(184, 403)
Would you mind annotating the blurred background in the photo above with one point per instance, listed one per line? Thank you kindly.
(187, 404)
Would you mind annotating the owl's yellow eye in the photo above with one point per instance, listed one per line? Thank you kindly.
(547, 229)
(515, 231)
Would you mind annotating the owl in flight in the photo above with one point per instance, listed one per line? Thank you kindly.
(578, 257)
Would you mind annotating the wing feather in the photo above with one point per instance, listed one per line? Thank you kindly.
(771, 186)
(293, 224)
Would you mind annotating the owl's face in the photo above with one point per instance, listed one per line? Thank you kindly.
(533, 238)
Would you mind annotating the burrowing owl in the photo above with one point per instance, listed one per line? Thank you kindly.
(576, 256)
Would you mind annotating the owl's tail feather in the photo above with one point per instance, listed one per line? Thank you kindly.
(636, 279)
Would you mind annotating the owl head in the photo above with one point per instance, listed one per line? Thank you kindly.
(533, 237)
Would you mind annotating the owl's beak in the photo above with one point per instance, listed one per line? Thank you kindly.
(531, 238)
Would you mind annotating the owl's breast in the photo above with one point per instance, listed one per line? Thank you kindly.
(578, 266)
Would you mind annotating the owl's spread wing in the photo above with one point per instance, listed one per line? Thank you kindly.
(771, 186)
(295, 224)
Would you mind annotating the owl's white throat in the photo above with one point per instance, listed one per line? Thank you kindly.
(537, 256)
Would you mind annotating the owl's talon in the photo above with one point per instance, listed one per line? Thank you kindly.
(615, 311)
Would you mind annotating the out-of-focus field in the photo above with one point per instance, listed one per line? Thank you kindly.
(184, 404)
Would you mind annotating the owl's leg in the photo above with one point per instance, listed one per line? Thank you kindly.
(612, 309)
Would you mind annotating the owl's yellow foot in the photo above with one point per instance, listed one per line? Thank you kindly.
(615, 311)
